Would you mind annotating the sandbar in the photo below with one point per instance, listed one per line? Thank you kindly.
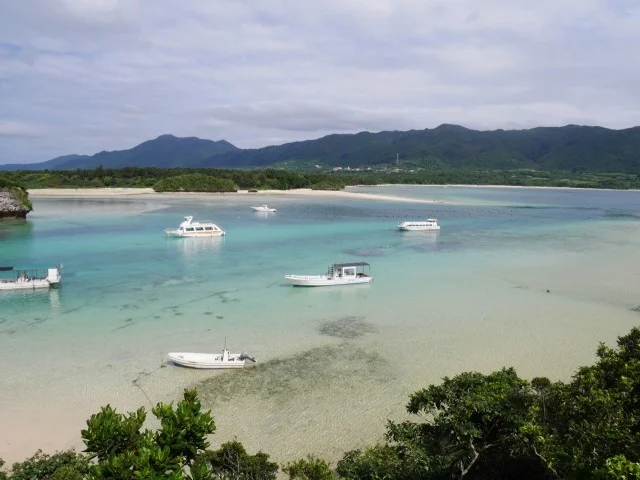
(108, 192)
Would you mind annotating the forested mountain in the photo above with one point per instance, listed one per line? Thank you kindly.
(166, 151)
(58, 163)
(572, 147)
(568, 148)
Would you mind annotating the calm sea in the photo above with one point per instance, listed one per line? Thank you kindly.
(532, 278)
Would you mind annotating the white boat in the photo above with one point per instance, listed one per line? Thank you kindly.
(30, 279)
(429, 224)
(338, 274)
(210, 360)
(263, 208)
(189, 228)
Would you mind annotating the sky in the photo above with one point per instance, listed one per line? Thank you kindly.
(82, 76)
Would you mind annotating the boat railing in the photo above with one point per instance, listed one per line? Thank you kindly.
(30, 273)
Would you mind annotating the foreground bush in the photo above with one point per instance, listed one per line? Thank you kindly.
(472, 426)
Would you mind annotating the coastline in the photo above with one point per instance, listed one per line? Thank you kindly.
(462, 185)
(437, 334)
(307, 192)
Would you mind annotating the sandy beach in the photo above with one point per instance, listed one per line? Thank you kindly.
(307, 192)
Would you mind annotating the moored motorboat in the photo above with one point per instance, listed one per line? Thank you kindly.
(263, 208)
(189, 228)
(29, 279)
(429, 224)
(210, 360)
(337, 274)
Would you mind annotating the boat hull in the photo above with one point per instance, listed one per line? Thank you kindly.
(175, 233)
(403, 228)
(324, 280)
(206, 360)
(26, 285)
(264, 210)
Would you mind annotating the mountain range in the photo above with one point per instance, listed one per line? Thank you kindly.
(572, 147)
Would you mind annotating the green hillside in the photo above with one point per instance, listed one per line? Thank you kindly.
(166, 151)
(570, 148)
(576, 148)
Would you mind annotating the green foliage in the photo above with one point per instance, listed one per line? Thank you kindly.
(619, 468)
(592, 424)
(184, 429)
(333, 184)
(195, 182)
(124, 451)
(232, 462)
(109, 434)
(377, 463)
(5, 182)
(310, 468)
(278, 179)
(67, 465)
(472, 423)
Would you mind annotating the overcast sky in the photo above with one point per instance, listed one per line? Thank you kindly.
(81, 76)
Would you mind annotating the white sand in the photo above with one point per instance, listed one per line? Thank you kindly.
(109, 192)
(87, 192)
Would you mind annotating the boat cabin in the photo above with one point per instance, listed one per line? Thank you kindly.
(189, 228)
(205, 228)
(349, 270)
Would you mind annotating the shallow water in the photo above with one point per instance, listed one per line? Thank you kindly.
(532, 278)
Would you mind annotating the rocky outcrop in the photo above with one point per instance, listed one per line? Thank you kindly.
(14, 203)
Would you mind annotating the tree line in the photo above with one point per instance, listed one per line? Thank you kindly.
(173, 179)
(224, 180)
(471, 426)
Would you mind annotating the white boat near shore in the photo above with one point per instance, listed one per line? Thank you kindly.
(30, 279)
(189, 228)
(263, 208)
(338, 274)
(411, 226)
(210, 360)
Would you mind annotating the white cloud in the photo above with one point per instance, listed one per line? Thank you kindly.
(10, 128)
(106, 74)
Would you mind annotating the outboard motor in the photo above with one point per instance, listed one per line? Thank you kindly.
(244, 356)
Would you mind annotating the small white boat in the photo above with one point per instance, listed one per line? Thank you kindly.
(30, 279)
(429, 224)
(338, 274)
(189, 228)
(263, 208)
(210, 360)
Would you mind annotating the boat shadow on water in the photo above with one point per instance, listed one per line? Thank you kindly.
(421, 241)
(191, 247)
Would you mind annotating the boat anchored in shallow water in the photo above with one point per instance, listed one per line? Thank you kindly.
(30, 279)
(210, 360)
(429, 224)
(263, 208)
(338, 274)
(189, 228)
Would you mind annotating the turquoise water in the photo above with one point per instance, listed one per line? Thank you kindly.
(473, 296)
